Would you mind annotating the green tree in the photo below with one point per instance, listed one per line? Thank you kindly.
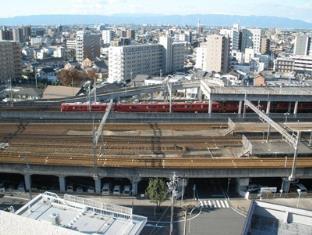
(156, 191)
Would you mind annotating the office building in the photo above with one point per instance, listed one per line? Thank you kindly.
(88, 45)
(251, 38)
(302, 45)
(213, 55)
(10, 60)
(298, 64)
(126, 62)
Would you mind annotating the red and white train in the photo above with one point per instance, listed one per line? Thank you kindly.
(195, 107)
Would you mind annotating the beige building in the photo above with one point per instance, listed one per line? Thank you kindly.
(88, 45)
(213, 55)
(10, 60)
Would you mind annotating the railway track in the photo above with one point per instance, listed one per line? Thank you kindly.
(170, 163)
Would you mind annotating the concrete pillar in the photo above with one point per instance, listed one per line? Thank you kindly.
(152, 96)
(134, 183)
(97, 184)
(240, 105)
(296, 108)
(268, 107)
(209, 106)
(62, 184)
(27, 180)
(199, 94)
(285, 185)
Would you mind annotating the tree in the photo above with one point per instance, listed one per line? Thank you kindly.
(157, 191)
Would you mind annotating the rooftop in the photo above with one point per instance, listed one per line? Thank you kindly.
(273, 219)
(77, 215)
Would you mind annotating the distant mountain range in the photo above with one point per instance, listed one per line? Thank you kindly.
(208, 20)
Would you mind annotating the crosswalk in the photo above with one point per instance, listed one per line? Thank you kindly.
(214, 204)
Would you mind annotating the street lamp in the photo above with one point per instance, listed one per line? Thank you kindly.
(299, 195)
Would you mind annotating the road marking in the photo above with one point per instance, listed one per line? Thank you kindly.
(209, 202)
(214, 204)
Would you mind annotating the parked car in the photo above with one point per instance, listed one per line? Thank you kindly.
(2, 188)
(127, 190)
(79, 189)
(90, 189)
(117, 190)
(20, 187)
(69, 189)
(106, 189)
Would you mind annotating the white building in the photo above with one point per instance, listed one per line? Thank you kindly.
(88, 45)
(59, 52)
(303, 45)
(107, 36)
(251, 38)
(36, 41)
(300, 64)
(126, 62)
(213, 55)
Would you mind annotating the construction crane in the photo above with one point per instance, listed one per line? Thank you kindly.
(293, 140)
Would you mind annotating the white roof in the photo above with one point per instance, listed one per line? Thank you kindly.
(79, 215)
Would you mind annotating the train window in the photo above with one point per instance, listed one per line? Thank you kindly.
(164, 106)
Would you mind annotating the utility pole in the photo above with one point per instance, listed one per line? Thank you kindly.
(172, 186)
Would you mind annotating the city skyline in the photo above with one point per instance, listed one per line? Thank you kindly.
(294, 10)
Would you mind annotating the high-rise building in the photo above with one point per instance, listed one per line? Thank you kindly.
(251, 38)
(26, 32)
(10, 60)
(233, 35)
(126, 62)
(179, 51)
(131, 34)
(107, 36)
(265, 46)
(18, 35)
(166, 41)
(302, 45)
(6, 34)
(213, 55)
(173, 54)
(88, 45)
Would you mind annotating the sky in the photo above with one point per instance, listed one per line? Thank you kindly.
(295, 9)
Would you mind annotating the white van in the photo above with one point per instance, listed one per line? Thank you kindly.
(127, 190)
(106, 189)
(116, 190)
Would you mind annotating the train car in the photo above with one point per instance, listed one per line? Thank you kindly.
(142, 107)
(83, 107)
